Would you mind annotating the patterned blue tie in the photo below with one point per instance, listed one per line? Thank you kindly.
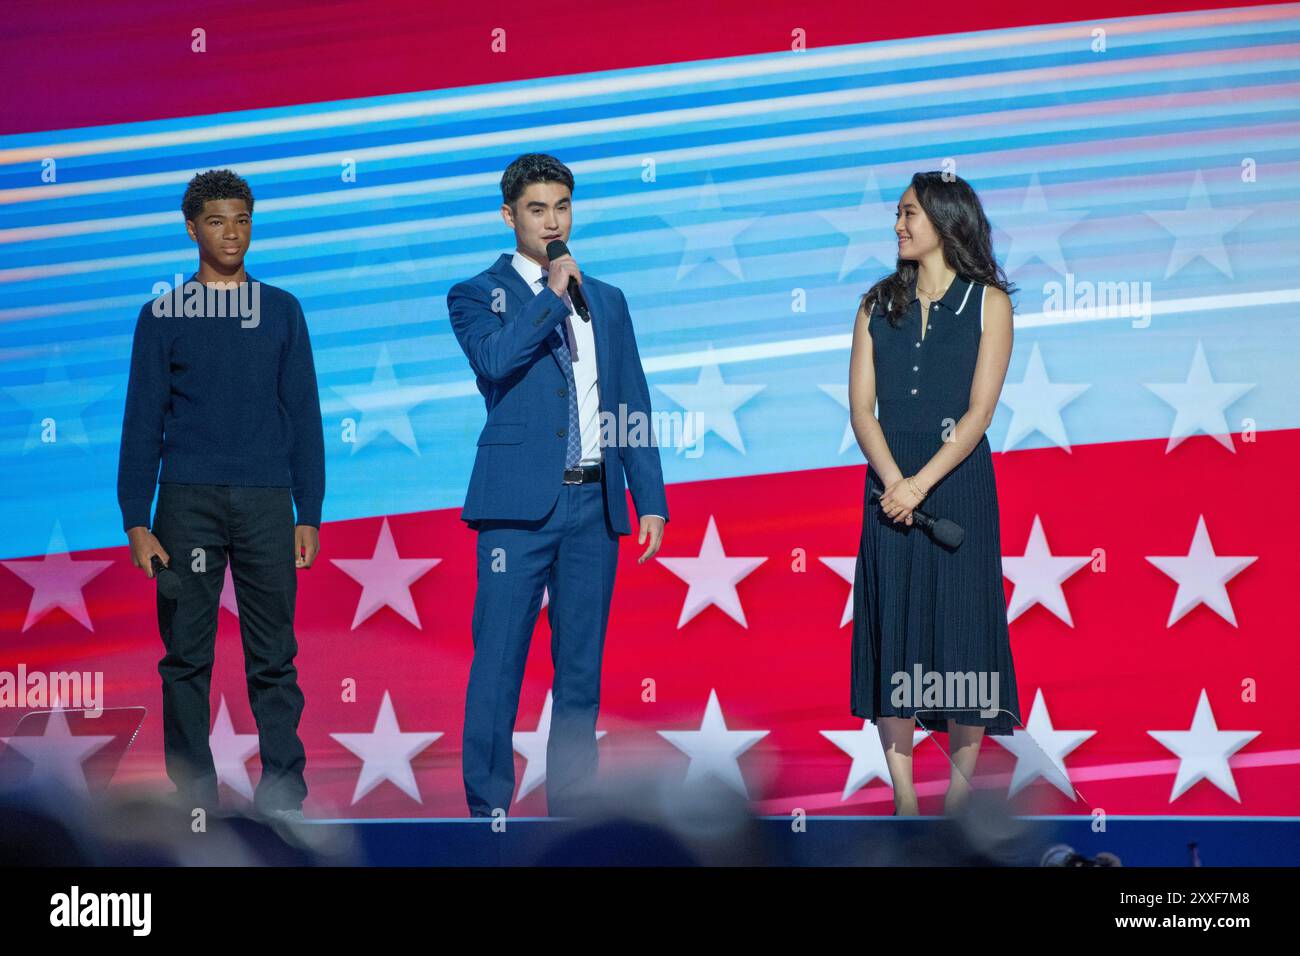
(573, 454)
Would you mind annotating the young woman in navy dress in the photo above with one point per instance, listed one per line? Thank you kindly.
(931, 344)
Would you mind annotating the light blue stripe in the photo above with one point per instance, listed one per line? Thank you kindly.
(364, 294)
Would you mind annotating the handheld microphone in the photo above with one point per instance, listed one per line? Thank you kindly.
(554, 250)
(945, 532)
(169, 585)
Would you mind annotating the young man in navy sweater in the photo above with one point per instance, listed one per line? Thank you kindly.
(223, 393)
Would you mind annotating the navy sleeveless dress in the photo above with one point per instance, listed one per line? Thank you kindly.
(916, 602)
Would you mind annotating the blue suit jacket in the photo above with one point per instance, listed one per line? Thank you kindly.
(519, 466)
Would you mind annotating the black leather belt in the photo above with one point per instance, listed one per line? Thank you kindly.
(584, 473)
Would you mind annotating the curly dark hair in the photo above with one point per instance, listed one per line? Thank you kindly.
(214, 184)
(958, 217)
(532, 168)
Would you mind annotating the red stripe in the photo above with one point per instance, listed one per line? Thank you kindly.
(1119, 671)
(71, 64)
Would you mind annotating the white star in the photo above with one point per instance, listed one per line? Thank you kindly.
(228, 600)
(1200, 402)
(230, 752)
(846, 568)
(840, 393)
(712, 577)
(1035, 230)
(1203, 751)
(709, 233)
(712, 402)
(1040, 750)
(870, 228)
(713, 748)
(1036, 404)
(1038, 575)
(60, 400)
(386, 753)
(867, 753)
(1202, 576)
(385, 405)
(531, 745)
(1198, 229)
(58, 753)
(385, 578)
(56, 581)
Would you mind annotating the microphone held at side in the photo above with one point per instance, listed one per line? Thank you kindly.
(169, 585)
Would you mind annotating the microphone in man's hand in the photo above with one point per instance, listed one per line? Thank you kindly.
(947, 533)
(554, 250)
(169, 585)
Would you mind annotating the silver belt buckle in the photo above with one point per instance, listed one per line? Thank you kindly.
(581, 472)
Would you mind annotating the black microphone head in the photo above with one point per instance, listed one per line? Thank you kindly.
(948, 532)
(169, 585)
(556, 248)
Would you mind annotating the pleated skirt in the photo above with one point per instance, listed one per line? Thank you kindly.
(916, 602)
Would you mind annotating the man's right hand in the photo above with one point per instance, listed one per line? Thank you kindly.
(559, 272)
(143, 546)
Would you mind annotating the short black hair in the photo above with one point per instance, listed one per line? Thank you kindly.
(532, 168)
(214, 184)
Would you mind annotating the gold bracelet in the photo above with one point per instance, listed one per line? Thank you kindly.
(912, 484)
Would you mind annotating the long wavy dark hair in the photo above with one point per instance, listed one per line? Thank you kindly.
(958, 217)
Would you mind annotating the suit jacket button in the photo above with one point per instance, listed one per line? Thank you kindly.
(560, 433)
(560, 392)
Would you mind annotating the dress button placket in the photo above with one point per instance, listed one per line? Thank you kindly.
(915, 368)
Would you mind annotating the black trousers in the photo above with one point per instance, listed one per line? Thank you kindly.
(201, 527)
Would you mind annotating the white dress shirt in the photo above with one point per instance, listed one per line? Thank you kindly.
(581, 339)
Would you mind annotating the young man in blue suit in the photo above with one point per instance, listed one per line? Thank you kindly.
(568, 422)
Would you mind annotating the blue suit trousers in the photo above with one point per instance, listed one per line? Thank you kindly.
(573, 552)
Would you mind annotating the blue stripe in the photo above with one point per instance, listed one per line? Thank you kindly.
(1101, 171)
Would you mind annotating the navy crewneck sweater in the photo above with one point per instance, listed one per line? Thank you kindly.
(222, 391)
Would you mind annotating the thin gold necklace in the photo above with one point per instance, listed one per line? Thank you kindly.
(931, 295)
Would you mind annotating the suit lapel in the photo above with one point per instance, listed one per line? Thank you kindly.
(599, 332)
(514, 283)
